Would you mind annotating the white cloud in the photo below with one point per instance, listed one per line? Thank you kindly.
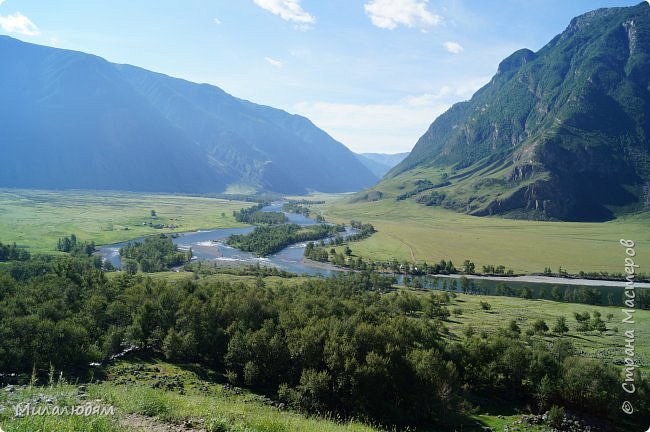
(453, 47)
(217, 21)
(428, 98)
(387, 127)
(276, 63)
(1, 1)
(390, 127)
(288, 10)
(18, 23)
(467, 88)
(388, 14)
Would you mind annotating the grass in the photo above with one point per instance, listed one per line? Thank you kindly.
(413, 232)
(37, 219)
(63, 395)
(608, 346)
(219, 408)
(197, 399)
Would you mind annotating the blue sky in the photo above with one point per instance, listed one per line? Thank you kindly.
(372, 73)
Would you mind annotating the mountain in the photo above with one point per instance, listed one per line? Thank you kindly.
(558, 134)
(74, 120)
(380, 163)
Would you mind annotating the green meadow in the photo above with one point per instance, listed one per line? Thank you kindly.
(607, 346)
(37, 219)
(413, 232)
(137, 405)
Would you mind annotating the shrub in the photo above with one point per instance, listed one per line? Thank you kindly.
(469, 331)
(539, 326)
(514, 327)
(231, 376)
(152, 405)
(560, 326)
(268, 425)
(217, 424)
(555, 416)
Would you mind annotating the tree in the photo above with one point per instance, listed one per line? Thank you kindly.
(555, 293)
(251, 373)
(130, 266)
(178, 347)
(556, 416)
(560, 326)
(544, 392)
(469, 267)
(583, 321)
(312, 394)
(514, 327)
(464, 284)
(597, 323)
(526, 293)
(539, 326)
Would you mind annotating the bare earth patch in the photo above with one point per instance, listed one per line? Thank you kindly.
(138, 422)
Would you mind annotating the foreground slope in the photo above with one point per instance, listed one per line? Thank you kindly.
(73, 120)
(557, 134)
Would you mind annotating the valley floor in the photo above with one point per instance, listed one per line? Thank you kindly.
(406, 231)
(37, 219)
(413, 232)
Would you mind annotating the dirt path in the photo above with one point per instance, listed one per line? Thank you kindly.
(141, 423)
(405, 244)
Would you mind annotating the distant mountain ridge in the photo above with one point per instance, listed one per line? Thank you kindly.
(563, 133)
(74, 120)
(380, 163)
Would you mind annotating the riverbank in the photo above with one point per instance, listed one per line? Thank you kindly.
(211, 245)
(533, 279)
(412, 232)
(550, 280)
(36, 219)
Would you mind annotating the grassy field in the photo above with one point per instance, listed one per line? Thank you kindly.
(608, 346)
(37, 219)
(412, 232)
(152, 395)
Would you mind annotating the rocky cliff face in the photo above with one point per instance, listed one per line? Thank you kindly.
(558, 134)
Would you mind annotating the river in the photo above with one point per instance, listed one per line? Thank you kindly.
(210, 245)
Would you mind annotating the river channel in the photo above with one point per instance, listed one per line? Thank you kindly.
(210, 245)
